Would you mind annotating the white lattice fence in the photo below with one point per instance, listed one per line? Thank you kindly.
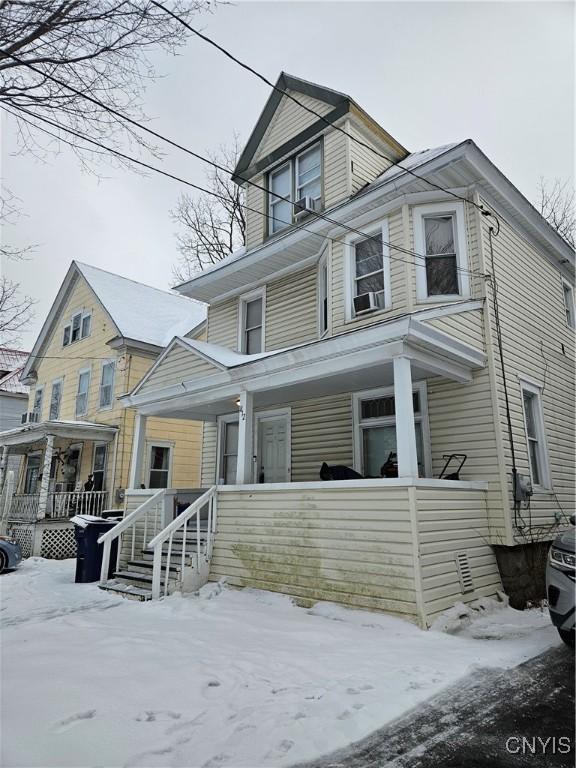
(58, 543)
(24, 535)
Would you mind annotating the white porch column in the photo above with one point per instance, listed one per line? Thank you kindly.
(405, 429)
(45, 484)
(4, 464)
(138, 445)
(245, 439)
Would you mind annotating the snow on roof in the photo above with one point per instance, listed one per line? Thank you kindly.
(226, 357)
(11, 383)
(141, 312)
(11, 359)
(412, 161)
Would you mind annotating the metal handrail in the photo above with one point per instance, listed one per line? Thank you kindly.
(167, 534)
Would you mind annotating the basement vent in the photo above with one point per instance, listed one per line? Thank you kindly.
(464, 572)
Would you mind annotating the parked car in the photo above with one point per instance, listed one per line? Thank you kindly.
(561, 583)
(10, 553)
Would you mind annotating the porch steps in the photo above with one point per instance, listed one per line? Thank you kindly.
(129, 591)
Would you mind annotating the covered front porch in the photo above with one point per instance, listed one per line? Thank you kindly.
(63, 472)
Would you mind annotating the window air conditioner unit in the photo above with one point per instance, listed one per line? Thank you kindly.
(305, 206)
(29, 418)
(364, 303)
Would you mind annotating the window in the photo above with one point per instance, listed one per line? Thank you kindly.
(368, 265)
(37, 407)
(55, 400)
(82, 394)
(159, 475)
(534, 427)
(86, 324)
(300, 177)
(228, 450)
(107, 384)
(569, 304)
(375, 430)
(251, 340)
(323, 295)
(76, 326)
(32, 473)
(439, 236)
(99, 466)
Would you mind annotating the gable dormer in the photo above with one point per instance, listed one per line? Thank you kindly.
(308, 150)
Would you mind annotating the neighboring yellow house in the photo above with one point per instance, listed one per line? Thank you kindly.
(101, 336)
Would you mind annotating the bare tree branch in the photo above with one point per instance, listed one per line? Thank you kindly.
(211, 228)
(557, 204)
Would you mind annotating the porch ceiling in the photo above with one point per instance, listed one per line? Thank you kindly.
(30, 434)
(347, 363)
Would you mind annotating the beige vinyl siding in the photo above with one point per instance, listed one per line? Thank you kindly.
(335, 170)
(365, 164)
(464, 326)
(289, 120)
(292, 309)
(452, 521)
(209, 448)
(321, 431)
(539, 346)
(256, 223)
(179, 365)
(340, 253)
(223, 323)
(314, 547)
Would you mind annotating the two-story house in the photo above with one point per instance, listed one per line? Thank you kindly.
(101, 335)
(390, 310)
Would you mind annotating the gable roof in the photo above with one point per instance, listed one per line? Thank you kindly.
(340, 102)
(139, 312)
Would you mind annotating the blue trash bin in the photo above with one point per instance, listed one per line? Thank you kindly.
(87, 531)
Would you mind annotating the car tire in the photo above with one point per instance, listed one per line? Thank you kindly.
(3, 562)
(568, 636)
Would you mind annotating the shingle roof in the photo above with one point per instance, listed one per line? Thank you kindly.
(10, 359)
(11, 383)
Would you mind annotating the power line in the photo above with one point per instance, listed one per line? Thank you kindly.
(142, 163)
(268, 82)
(209, 161)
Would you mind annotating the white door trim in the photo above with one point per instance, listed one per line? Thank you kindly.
(274, 414)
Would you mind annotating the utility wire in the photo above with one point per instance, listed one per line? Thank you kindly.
(268, 82)
(204, 159)
(143, 164)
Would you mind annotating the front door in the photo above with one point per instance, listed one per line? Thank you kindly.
(273, 449)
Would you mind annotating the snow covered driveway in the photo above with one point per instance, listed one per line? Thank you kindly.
(230, 678)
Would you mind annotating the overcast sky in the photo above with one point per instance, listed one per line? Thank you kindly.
(429, 73)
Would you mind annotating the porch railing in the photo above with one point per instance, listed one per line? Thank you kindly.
(25, 507)
(194, 535)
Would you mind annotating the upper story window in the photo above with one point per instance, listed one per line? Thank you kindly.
(78, 328)
(323, 295)
(107, 383)
(82, 394)
(55, 400)
(296, 179)
(37, 407)
(442, 264)
(369, 272)
(534, 427)
(569, 304)
(252, 309)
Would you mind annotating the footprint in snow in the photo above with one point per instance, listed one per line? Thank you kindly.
(150, 715)
(216, 761)
(68, 722)
(281, 749)
(360, 689)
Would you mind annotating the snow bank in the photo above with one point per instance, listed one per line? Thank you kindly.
(228, 678)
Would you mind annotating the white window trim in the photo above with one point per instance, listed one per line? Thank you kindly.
(221, 422)
(40, 390)
(323, 263)
(80, 372)
(69, 327)
(159, 444)
(570, 310)
(107, 407)
(357, 397)
(105, 473)
(535, 389)
(317, 145)
(273, 414)
(292, 164)
(61, 382)
(419, 212)
(242, 301)
(84, 316)
(81, 314)
(350, 268)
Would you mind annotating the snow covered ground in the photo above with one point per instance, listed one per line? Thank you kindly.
(229, 678)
